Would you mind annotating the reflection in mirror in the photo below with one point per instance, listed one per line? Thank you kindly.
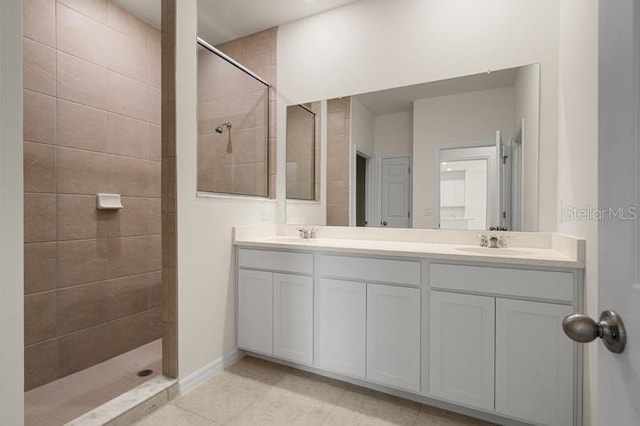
(232, 126)
(303, 152)
(467, 190)
(417, 127)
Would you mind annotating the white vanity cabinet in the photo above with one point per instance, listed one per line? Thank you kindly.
(341, 326)
(484, 336)
(461, 359)
(368, 316)
(393, 336)
(275, 309)
(478, 319)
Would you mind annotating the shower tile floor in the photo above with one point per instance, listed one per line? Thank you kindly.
(58, 402)
(256, 392)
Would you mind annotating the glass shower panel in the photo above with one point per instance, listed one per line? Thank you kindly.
(301, 147)
(233, 119)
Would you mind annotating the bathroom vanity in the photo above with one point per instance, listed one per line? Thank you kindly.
(424, 314)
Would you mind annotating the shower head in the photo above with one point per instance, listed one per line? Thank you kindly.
(221, 127)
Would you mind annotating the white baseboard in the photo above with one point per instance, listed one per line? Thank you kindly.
(198, 377)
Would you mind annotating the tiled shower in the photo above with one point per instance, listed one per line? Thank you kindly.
(91, 125)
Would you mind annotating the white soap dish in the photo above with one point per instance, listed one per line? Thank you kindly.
(108, 202)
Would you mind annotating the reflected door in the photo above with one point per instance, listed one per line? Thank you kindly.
(396, 193)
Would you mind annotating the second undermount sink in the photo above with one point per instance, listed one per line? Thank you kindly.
(496, 251)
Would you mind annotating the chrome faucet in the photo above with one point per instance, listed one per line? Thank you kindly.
(492, 241)
(307, 233)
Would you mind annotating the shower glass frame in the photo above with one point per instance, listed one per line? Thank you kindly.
(215, 156)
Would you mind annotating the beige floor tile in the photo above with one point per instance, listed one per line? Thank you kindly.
(432, 416)
(223, 398)
(170, 415)
(377, 405)
(340, 416)
(282, 407)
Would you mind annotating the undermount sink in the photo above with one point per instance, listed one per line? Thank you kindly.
(496, 251)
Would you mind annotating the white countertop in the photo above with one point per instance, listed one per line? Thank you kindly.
(534, 249)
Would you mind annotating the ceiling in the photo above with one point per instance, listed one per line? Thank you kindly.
(224, 20)
(401, 99)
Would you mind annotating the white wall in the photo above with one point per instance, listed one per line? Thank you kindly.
(527, 107)
(206, 287)
(379, 44)
(362, 128)
(393, 134)
(577, 153)
(11, 222)
(460, 118)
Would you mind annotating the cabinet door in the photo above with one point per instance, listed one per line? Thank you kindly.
(255, 311)
(393, 336)
(341, 319)
(293, 317)
(461, 354)
(534, 362)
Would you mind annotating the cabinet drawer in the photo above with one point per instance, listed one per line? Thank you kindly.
(501, 281)
(301, 263)
(365, 269)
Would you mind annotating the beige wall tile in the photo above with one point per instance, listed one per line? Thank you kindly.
(155, 143)
(243, 178)
(153, 56)
(128, 136)
(96, 344)
(154, 105)
(39, 167)
(82, 307)
(154, 216)
(81, 81)
(39, 117)
(39, 317)
(244, 142)
(206, 179)
(134, 255)
(154, 179)
(129, 176)
(127, 55)
(97, 9)
(81, 262)
(39, 267)
(127, 96)
(39, 67)
(80, 126)
(154, 285)
(81, 172)
(81, 36)
(85, 348)
(78, 218)
(169, 241)
(39, 217)
(121, 20)
(38, 21)
(132, 220)
(127, 296)
(40, 364)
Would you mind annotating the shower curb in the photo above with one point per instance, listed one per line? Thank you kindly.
(132, 406)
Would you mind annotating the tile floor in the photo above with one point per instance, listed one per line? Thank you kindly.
(58, 402)
(256, 392)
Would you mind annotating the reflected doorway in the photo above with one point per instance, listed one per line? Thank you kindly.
(362, 188)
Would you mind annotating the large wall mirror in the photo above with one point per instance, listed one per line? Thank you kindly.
(459, 153)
